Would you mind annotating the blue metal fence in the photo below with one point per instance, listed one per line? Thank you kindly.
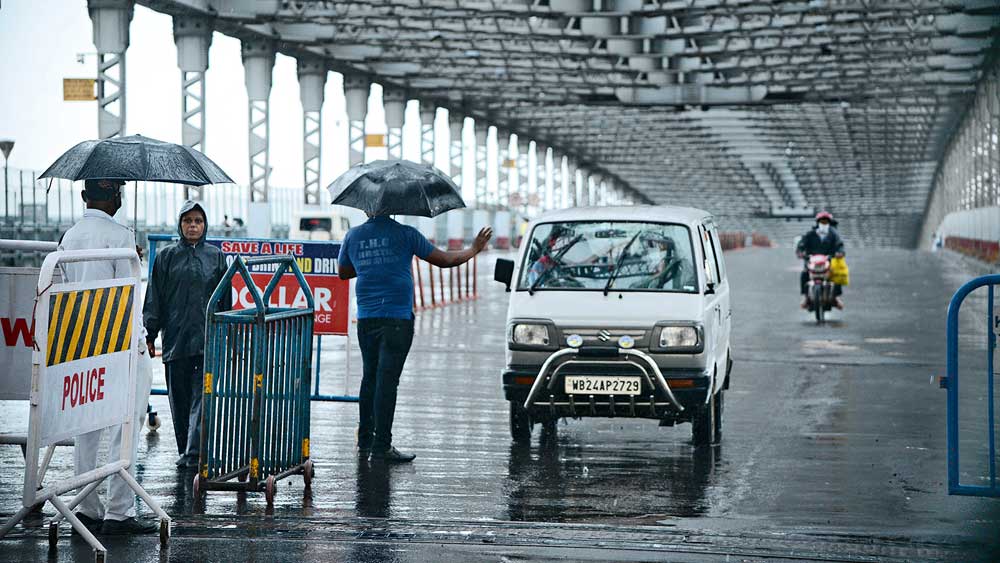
(955, 487)
(255, 405)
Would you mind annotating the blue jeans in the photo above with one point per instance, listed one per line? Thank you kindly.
(384, 343)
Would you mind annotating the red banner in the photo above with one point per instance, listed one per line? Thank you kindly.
(330, 293)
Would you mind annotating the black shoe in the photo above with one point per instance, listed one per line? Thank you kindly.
(181, 461)
(92, 524)
(392, 455)
(191, 462)
(129, 526)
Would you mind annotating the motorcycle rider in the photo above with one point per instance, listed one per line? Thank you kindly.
(821, 239)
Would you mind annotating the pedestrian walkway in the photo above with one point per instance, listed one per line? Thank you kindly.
(834, 447)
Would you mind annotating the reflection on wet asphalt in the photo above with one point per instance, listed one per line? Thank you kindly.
(833, 449)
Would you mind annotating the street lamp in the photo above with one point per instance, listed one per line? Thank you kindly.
(6, 145)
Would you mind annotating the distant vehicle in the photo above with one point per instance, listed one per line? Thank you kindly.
(819, 288)
(618, 312)
(319, 225)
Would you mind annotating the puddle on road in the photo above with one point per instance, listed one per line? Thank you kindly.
(828, 346)
(887, 340)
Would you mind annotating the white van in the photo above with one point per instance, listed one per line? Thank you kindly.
(318, 225)
(618, 312)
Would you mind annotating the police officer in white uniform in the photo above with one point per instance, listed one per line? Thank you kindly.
(95, 230)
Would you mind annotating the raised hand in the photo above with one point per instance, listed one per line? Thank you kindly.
(482, 239)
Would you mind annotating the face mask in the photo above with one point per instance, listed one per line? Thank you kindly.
(823, 229)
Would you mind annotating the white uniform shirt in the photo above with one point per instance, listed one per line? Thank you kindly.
(96, 230)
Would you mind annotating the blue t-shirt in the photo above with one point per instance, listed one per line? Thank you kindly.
(381, 251)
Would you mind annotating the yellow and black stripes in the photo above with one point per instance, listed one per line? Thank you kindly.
(90, 322)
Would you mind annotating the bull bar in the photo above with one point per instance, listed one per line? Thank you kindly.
(636, 358)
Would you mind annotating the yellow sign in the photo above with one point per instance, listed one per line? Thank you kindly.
(374, 140)
(78, 90)
(510, 163)
(88, 323)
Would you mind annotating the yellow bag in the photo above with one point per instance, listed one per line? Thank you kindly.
(839, 274)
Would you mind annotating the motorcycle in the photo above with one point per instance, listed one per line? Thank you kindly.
(819, 289)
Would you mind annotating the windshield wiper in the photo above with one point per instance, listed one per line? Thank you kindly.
(556, 260)
(618, 263)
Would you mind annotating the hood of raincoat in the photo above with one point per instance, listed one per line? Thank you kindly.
(188, 206)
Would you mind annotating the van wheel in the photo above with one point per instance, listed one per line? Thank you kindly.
(703, 424)
(719, 404)
(520, 423)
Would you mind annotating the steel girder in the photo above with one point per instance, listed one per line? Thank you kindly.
(738, 105)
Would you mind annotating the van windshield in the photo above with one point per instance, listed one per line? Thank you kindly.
(622, 256)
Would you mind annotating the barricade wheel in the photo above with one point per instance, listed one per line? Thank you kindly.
(196, 489)
(269, 490)
(308, 471)
(53, 535)
(164, 532)
(99, 556)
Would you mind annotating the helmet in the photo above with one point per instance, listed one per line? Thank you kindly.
(824, 215)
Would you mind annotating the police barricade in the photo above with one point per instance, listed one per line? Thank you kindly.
(17, 298)
(988, 483)
(255, 402)
(84, 377)
(317, 260)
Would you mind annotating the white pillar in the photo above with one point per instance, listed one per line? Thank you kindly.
(541, 193)
(559, 194)
(111, 19)
(505, 165)
(427, 113)
(456, 123)
(258, 62)
(312, 85)
(394, 102)
(193, 37)
(356, 94)
(481, 134)
(572, 187)
(522, 172)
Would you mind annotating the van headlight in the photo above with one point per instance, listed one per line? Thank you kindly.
(531, 335)
(678, 338)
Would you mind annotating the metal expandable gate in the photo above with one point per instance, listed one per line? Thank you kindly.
(950, 382)
(255, 401)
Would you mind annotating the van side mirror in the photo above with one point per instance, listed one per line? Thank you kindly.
(503, 272)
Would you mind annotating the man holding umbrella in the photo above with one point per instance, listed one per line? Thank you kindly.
(97, 229)
(380, 254)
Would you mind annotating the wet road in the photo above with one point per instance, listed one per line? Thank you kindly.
(833, 449)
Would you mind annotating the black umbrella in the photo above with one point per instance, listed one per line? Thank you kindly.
(396, 187)
(136, 158)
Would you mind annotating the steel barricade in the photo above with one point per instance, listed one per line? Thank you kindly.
(950, 382)
(255, 401)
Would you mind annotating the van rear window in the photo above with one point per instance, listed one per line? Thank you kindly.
(308, 224)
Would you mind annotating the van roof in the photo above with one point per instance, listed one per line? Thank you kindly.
(657, 213)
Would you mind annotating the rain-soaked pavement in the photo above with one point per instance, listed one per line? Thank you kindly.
(833, 449)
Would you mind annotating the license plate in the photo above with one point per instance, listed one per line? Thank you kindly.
(602, 385)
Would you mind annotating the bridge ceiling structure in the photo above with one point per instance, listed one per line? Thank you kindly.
(748, 108)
